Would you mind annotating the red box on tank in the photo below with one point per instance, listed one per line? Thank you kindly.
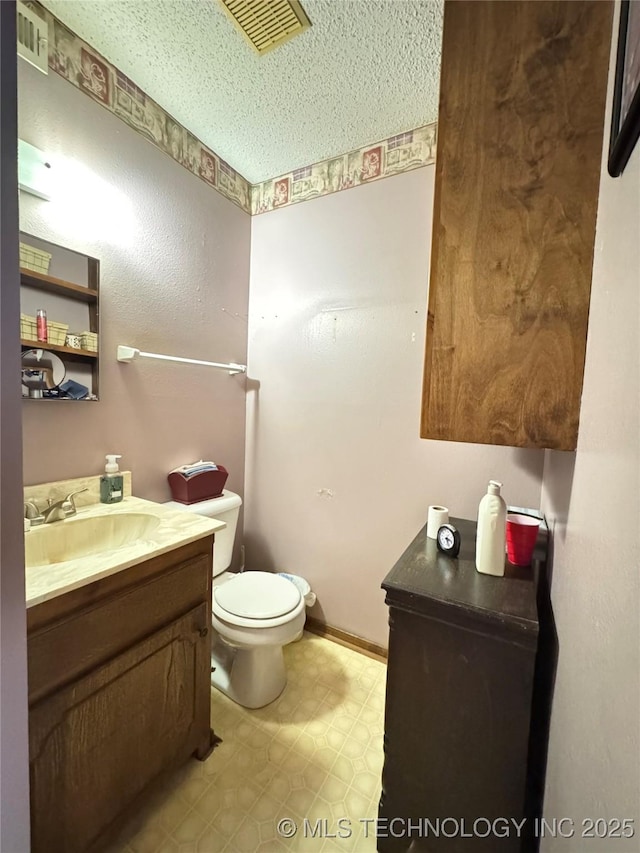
(197, 487)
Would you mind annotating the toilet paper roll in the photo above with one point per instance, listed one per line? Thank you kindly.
(437, 515)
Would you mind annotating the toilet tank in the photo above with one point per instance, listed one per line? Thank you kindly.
(225, 508)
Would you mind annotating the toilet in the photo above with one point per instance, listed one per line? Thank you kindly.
(255, 614)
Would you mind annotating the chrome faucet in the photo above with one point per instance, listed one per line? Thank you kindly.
(55, 511)
(32, 512)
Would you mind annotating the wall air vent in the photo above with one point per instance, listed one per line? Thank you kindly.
(267, 23)
(33, 38)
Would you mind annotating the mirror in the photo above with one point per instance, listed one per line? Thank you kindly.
(42, 374)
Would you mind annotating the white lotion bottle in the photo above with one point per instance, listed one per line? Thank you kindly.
(492, 532)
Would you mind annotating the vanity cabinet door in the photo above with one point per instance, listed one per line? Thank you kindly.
(97, 743)
(72, 644)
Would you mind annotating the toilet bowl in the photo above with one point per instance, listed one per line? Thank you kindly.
(255, 614)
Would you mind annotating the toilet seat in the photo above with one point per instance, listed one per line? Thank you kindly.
(257, 600)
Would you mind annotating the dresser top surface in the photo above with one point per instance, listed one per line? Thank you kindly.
(428, 581)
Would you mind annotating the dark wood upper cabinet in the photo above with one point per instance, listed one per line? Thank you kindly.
(520, 134)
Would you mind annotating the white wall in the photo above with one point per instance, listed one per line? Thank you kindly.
(174, 260)
(592, 498)
(338, 481)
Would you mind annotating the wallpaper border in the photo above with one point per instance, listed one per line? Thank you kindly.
(400, 153)
(81, 65)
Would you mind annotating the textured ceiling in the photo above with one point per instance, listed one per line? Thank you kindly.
(366, 70)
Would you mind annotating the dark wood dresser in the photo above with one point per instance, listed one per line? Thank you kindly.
(469, 682)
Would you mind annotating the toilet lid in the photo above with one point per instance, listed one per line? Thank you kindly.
(257, 595)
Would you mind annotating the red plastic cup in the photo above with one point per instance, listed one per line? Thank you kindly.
(522, 532)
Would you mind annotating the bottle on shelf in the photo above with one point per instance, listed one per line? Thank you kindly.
(491, 533)
(41, 325)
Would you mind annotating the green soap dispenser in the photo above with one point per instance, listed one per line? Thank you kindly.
(111, 482)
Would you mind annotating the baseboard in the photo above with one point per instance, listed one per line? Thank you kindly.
(344, 638)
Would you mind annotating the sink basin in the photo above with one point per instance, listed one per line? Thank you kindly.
(80, 537)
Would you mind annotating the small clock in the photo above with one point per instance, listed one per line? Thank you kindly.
(448, 540)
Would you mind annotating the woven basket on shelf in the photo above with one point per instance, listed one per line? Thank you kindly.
(56, 332)
(34, 259)
(28, 328)
(89, 341)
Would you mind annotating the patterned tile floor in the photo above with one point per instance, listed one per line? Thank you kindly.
(314, 757)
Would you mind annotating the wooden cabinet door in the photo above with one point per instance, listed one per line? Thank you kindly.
(456, 739)
(520, 131)
(97, 743)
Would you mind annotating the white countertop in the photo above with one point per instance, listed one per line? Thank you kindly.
(175, 528)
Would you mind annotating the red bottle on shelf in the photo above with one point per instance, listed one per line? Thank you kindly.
(41, 325)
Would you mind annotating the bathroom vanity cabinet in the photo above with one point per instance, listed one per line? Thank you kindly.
(119, 693)
(470, 670)
(520, 129)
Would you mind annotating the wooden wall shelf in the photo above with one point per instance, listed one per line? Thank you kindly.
(29, 278)
(77, 305)
(73, 352)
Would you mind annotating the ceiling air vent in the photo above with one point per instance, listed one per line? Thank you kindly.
(268, 23)
(33, 38)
